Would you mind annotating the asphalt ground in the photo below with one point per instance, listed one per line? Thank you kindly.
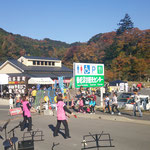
(126, 134)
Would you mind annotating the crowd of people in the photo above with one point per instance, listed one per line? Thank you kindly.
(84, 102)
(86, 99)
(15, 99)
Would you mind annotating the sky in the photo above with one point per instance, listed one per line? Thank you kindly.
(70, 20)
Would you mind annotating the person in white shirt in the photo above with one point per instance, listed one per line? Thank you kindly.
(11, 102)
(115, 104)
(136, 104)
(107, 106)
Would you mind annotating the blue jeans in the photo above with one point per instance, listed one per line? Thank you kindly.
(138, 107)
(144, 104)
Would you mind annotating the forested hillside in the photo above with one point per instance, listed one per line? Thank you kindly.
(14, 46)
(126, 56)
(124, 52)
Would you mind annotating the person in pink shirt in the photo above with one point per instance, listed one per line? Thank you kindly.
(26, 114)
(61, 116)
(81, 105)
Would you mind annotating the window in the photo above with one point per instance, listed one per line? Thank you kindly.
(42, 62)
(53, 63)
(38, 62)
(34, 62)
(45, 63)
(49, 63)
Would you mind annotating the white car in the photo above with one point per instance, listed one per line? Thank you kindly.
(144, 103)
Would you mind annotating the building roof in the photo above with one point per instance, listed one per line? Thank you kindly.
(53, 75)
(38, 71)
(41, 71)
(1, 63)
(17, 64)
(37, 57)
(39, 68)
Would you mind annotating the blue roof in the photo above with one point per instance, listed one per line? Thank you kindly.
(37, 57)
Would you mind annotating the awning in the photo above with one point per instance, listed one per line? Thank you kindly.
(114, 83)
(40, 81)
(3, 79)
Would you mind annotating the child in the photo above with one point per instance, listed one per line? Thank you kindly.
(11, 102)
(88, 110)
(81, 105)
(18, 99)
(61, 116)
(26, 113)
(92, 105)
(107, 106)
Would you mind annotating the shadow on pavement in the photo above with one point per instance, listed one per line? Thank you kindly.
(127, 114)
(53, 129)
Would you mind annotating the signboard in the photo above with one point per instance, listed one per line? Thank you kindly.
(46, 80)
(15, 111)
(88, 75)
(3, 79)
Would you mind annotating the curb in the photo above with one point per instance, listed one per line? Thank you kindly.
(113, 118)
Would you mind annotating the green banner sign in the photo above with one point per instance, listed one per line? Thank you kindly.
(89, 81)
(88, 75)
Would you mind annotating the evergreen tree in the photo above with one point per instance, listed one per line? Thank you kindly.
(125, 24)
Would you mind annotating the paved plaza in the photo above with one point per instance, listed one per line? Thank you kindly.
(127, 133)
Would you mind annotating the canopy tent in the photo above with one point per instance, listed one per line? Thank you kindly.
(46, 80)
(3, 79)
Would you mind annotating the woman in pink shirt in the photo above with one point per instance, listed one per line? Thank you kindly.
(61, 116)
(26, 113)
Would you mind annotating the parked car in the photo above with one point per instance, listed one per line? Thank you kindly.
(126, 100)
(144, 103)
(123, 98)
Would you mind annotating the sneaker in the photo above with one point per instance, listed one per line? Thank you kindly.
(29, 130)
(112, 113)
(22, 130)
(55, 135)
(119, 113)
(67, 137)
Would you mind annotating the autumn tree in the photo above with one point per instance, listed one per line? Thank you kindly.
(121, 66)
(124, 24)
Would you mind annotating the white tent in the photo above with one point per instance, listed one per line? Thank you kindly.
(3, 79)
(43, 80)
